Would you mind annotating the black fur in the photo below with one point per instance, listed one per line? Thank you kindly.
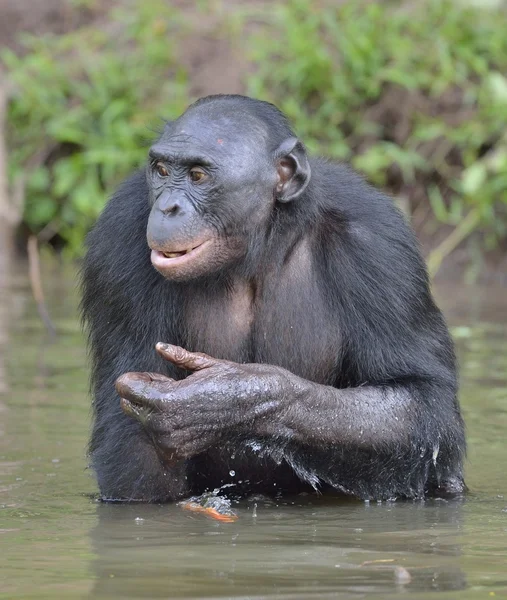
(363, 318)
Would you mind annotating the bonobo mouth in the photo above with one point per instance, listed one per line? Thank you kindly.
(165, 260)
(178, 253)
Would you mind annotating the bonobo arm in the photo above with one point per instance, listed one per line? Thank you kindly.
(371, 441)
(376, 442)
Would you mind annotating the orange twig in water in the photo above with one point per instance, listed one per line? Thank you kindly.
(210, 511)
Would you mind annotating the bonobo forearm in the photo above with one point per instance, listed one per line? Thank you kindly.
(323, 433)
(364, 416)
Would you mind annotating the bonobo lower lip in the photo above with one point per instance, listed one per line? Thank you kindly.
(166, 260)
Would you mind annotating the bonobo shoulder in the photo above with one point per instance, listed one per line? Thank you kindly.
(366, 248)
(355, 210)
(338, 186)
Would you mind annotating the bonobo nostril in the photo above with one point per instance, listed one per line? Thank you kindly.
(171, 210)
(170, 204)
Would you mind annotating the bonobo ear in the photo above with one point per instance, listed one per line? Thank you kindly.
(293, 170)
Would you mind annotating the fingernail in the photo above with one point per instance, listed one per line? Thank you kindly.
(163, 346)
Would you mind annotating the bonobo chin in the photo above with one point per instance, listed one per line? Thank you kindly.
(261, 318)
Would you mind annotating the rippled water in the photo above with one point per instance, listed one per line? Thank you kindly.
(56, 541)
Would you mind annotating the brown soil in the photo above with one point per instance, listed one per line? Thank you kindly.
(213, 64)
(39, 17)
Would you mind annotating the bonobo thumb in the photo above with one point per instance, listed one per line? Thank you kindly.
(192, 361)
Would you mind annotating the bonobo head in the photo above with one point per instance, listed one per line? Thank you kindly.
(215, 176)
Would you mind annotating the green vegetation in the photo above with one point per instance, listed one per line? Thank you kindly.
(413, 94)
(86, 107)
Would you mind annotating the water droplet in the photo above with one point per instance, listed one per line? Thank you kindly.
(232, 473)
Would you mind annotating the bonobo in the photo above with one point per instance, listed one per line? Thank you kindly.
(262, 318)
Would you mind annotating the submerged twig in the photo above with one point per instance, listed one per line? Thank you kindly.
(36, 283)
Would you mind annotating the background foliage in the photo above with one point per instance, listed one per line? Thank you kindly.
(413, 94)
(87, 105)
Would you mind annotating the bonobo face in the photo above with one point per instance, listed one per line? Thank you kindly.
(212, 183)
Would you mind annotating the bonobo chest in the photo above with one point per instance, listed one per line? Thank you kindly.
(281, 320)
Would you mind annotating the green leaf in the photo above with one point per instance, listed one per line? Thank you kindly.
(41, 211)
(498, 87)
(473, 178)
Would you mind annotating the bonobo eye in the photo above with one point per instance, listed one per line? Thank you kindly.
(197, 175)
(161, 169)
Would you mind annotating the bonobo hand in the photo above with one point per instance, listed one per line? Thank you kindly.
(218, 400)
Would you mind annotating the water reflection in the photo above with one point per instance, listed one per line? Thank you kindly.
(303, 549)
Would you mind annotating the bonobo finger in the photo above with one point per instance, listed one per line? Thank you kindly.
(193, 361)
(143, 388)
(129, 408)
(136, 411)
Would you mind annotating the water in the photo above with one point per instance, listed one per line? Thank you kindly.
(56, 541)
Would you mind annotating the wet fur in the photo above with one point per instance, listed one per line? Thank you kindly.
(339, 296)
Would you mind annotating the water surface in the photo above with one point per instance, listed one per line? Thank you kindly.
(56, 541)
